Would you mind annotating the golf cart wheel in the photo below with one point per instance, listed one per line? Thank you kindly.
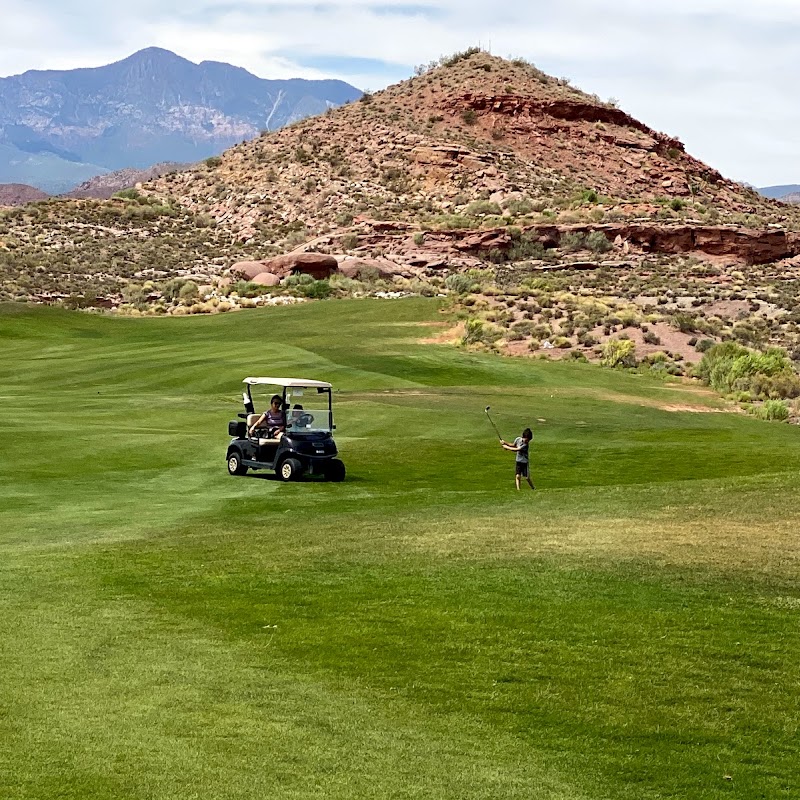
(235, 466)
(335, 471)
(290, 470)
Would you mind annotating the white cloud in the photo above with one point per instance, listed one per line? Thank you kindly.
(717, 73)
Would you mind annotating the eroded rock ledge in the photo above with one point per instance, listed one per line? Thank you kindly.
(745, 245)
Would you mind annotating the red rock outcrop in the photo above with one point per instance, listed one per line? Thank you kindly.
(441, 248)
(266, 279)
(318, 265)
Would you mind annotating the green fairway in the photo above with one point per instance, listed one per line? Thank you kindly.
(422, 630)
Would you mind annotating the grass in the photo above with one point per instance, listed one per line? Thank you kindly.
(421, 630)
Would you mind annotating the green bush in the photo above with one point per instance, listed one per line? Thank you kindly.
(572, 242)
(297, 280)
(189, 291)
(526, 247)
(519, 207)
(619, 353)
(316, 290)
(478, 333)
(771, 410)
(597, 242)
(482, 208)
(685, 323)
(128, 194)
(458, 283)
(170, 289)
(730, 367)
(213, 161)
(704, 345)
(651, 338)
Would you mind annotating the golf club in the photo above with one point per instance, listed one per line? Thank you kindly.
(499, 436)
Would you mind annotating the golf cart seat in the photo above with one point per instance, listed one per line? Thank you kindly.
(251, 418)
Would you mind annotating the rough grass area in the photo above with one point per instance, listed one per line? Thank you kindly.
(422, 630)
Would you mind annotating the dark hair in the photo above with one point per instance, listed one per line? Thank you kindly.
(527, 434)
(297, 407)
(276, 397)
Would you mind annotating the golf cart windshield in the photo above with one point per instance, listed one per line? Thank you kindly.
(308, 410)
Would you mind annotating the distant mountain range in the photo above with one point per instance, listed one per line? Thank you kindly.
(789, 193)
(61, 127)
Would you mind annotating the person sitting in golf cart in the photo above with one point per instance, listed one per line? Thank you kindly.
(299, 418)
(272, 421)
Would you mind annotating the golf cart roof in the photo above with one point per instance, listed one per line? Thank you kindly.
(287, 382)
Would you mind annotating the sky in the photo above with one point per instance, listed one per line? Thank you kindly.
(721, 75)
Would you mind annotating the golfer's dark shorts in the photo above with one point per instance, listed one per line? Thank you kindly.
(522, 468)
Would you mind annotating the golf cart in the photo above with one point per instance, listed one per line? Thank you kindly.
(305, 447)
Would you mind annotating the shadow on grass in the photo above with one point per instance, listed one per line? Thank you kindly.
(271, 476)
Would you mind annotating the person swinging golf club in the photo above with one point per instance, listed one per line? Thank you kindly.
(520, 447)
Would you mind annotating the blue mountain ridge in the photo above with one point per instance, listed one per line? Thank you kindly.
(60, 127)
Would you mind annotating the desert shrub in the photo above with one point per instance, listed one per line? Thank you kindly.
(619, 353)
(349, 241)
(204, 221)
(463, 55)
(597, 242)
(783, 385)
(213, 161)
(676, 204)
(526, 247)
(482, 208)
(478, 333)
(301, 155)
(128, 194)
(730, 367)
(297, 280)
(189, 291)
(685, 323)
(451, 222)
(651, 338)
(247, 289)
(170, 289)
(704, 345)
(659, 357)
(344, 219)
(571, 242)
(316, 290)
(458, 283)
(344, 285)
(519, 207)
(771, 410)
(135, 294)
(470, 116)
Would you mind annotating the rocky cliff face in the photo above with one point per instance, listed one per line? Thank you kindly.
(151, 107)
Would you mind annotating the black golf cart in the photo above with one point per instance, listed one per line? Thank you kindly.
(306, 447)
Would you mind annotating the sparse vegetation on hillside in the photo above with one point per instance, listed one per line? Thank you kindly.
(452, 149)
